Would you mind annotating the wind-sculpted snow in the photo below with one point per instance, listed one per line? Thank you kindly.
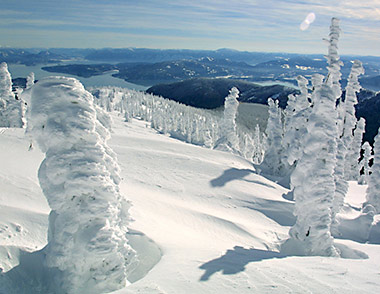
(87, 243)
(186, 123)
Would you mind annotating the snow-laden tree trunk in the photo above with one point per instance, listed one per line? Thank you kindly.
(11, 109)
(313, 178)
(87, 245)
(229, 140)
(373, 190)
(272, 163)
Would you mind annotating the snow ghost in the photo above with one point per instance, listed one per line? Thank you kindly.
(87, 243)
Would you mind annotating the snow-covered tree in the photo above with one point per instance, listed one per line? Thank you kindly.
(186, 123)
(346, 125)
(11, 109)
(352, 167)
(373, 190)
(229, 140)
(314, 178)
(364, 166)
(259, 142)
(87, 242)
(30, 80)
(272, 162)
(297, 113)
(333, 81)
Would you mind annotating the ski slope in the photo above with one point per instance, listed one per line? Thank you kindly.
(203, 222)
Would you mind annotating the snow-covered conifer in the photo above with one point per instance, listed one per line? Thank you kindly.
(333, 59)
(258, 146)
(350, 122)
(297, 115)
(272, 163)
(373, 190)
(229, 140)
(11, 109)
(333, 81)
(313, 178)
(87, 241)
(352, 167)
(30, 80)
(364, 167)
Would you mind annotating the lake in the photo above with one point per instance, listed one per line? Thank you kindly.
(21, 71)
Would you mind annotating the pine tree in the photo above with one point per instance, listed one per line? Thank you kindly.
(297, 112)
(229, 140)
(11, 109)
(30, 80)
(373, 190)
(352, 166)
(272, 162)
(314, 176)
(350, 122)
(364, 167)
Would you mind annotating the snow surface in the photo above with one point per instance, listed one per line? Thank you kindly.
(204, 222)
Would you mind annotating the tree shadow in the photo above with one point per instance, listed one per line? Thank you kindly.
(234, 174)
(235, 260)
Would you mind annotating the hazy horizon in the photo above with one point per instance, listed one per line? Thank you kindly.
(254, 26)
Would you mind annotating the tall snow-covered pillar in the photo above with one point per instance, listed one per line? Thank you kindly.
(87, 242)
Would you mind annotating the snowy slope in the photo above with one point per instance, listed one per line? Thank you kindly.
(204, 221)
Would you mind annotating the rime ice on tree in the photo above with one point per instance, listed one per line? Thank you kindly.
(11, 109)
(352, 138)
(297, 112)
(314, 177)
(30, 80)
(87, 225)
(229, 140)
(373, 190)
(272, 162)
(364, 164)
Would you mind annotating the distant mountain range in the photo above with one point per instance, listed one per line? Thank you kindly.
(280, 70)
(183, 72)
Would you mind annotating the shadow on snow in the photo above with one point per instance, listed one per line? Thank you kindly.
(235, 260)
(234, 174)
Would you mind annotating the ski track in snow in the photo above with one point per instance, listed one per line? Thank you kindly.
(218, 224)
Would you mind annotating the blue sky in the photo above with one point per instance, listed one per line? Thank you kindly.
(251, 25)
